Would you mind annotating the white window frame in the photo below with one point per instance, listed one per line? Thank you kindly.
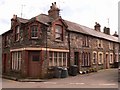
(17, 33)
(110, 45)
(58, 59)
(58, 32)
(99, 60)
(100, 43)
(111, 58)
(94, 57)
(34, 31)
(16, 60)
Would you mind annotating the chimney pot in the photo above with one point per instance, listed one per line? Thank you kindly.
(115, 34)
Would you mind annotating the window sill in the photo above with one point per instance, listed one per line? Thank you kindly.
(16, 71)
(85, 46)
(94, 63)
(34, 38)
(85, 66)
(6, 46)
(58, 41)
(111, 63)
(16, 41)
(100, 63)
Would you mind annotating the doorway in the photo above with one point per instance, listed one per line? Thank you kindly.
(34, 64)
(76, 58)
(106, 64)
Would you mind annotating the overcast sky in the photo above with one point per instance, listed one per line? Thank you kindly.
(84, 12)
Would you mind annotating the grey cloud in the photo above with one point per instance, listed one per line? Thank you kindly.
(2, 2)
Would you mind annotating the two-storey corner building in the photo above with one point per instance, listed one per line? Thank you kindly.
(33, 45)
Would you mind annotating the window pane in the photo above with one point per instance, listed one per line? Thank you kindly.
(35, 58)
(64, 59)
(34, 31)
(58, 32)
(17, 31)
(50, 58)
(100, 58)
(60, 59)
(94, 58)
(58, 29)
(55, 58)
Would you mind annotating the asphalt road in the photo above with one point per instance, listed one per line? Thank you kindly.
(101, 79)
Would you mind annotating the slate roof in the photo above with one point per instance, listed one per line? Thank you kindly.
(43, 18)
(22, 20)
(86, 30)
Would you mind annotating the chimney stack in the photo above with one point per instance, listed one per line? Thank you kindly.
(14, 17)
(106, 30)
(54, 11)
(97, 26)
(115, 34)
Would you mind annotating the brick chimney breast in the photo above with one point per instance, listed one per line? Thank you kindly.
(54, 11)
(97, 26)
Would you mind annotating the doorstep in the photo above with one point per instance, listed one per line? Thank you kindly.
(9, 77)
(32, 80)
(23, 80)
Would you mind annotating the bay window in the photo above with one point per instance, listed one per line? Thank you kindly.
(16, 61)
(58, 58)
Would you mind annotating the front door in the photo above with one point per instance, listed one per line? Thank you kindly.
(106, 61)
(76, 58)
(34, 64)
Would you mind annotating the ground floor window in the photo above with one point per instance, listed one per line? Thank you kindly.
(58, 58)
(100, 58)
(111, 58)
(94, 57)
(16, 60)
(86, 59)
(116, 57)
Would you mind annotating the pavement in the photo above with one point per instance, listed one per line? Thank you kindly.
(101, 79)
(23, 80)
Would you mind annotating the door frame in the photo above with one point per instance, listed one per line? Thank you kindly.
(31, 62)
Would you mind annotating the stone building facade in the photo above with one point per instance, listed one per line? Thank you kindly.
(33, 45)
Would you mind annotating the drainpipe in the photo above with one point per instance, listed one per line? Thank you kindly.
(69, 46)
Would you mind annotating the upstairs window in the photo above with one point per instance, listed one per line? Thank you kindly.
(17, 33)
(85, 41)
(110, 45)
(34, 31)
(100, 44)
(58, 33)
